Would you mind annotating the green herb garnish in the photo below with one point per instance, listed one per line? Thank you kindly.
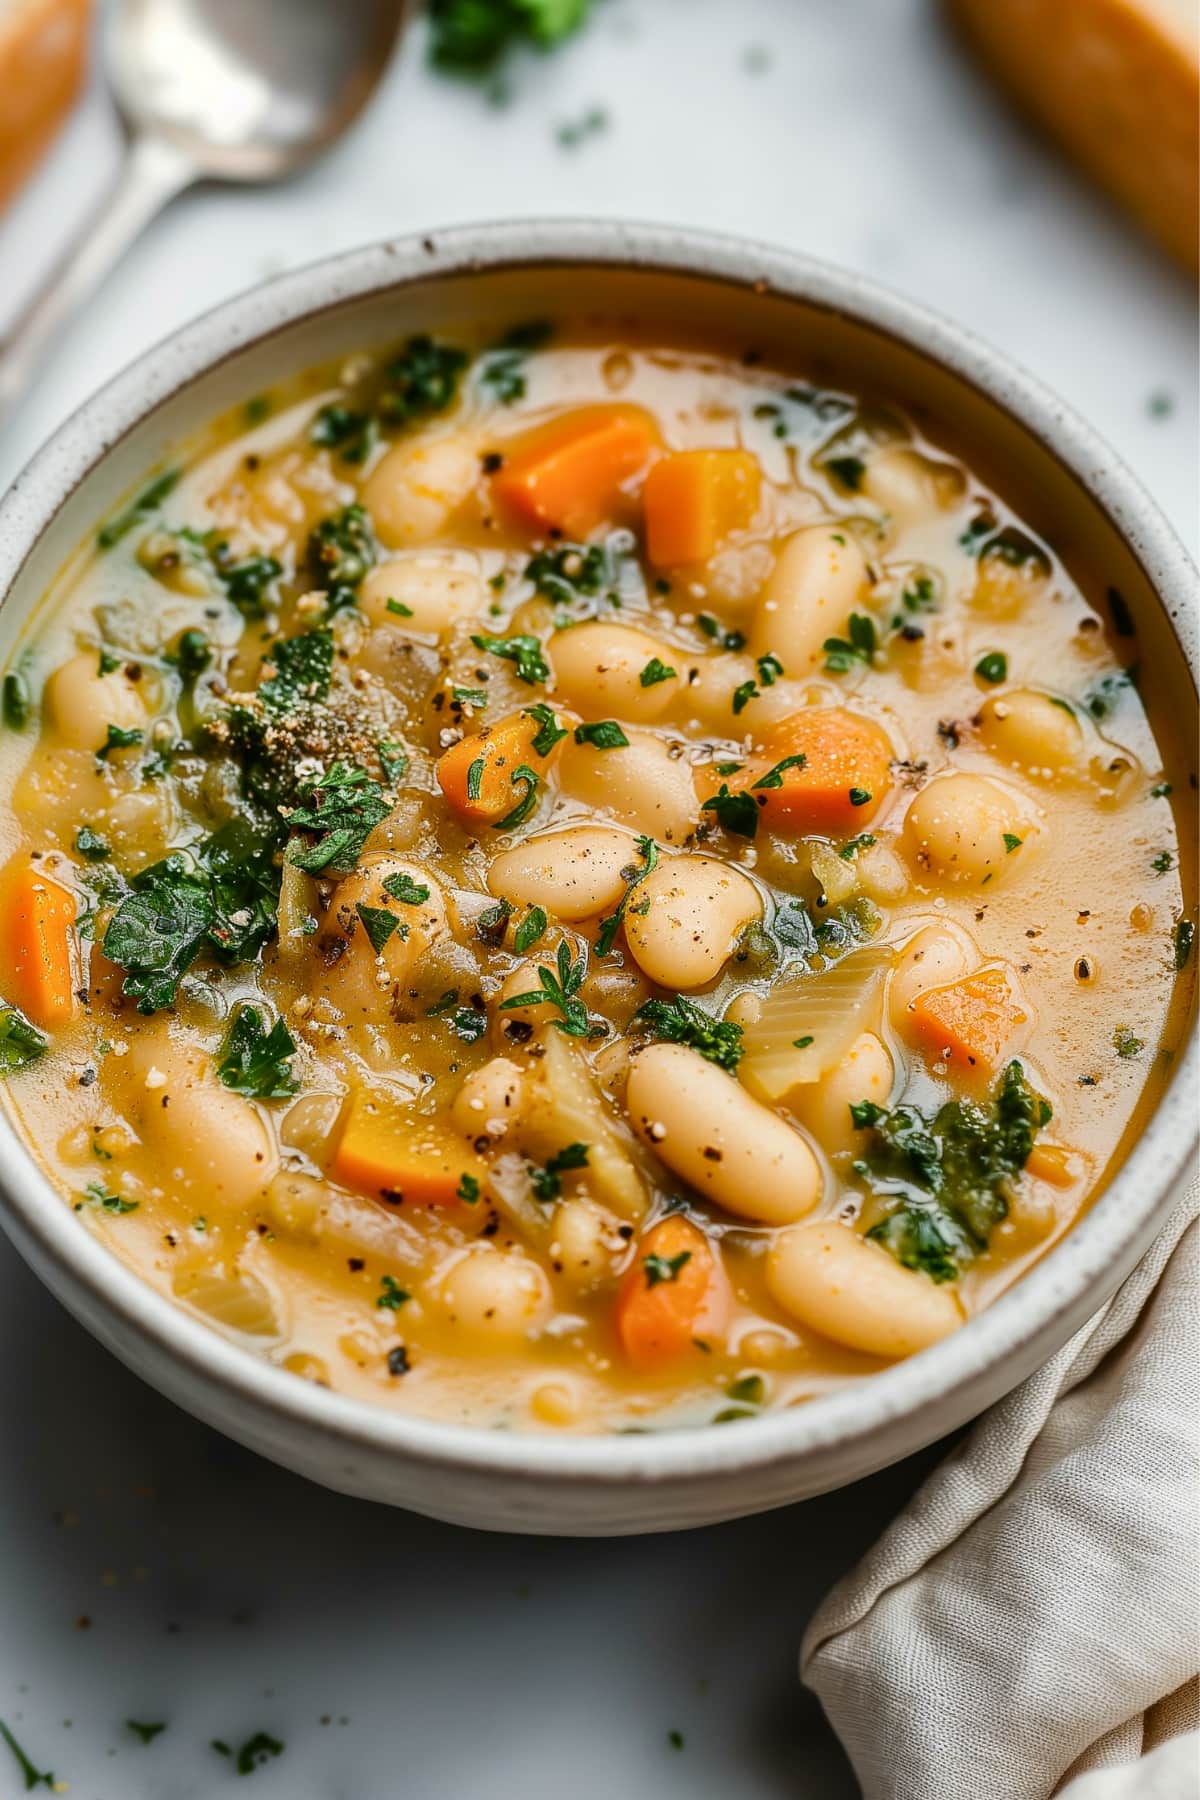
(255, 1062)
(560, 987)
(606, 734)
(523, 651)
(681, 1021)
(648, 850)
(546, 1182)
(147, 502)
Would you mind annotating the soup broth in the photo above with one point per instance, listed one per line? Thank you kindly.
(576, 884)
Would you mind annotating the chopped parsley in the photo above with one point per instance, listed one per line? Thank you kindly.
(655, 671)
(571, 573)
(15, 701)
(34, 1777)
(471, 36)
(852, 846)
(147, 502)
(341, 550)
(546, 1182)
(402, 887)
(858, 645)
(560, 987)
(848, 470)
(503, 369)
(147, 1733)
(398, 608)
(253, 1753)
(255, 1062)
(859, 796)
(681, 1021)
(664, 1268)
(392, 1296)
(549, 731)
(606, 734)
(1185, 937)
(993, 667)
(346, 805)
(1125, 1044)
(249, 584)
(380, 925)
(743, 694)
(492, 924)
(118, 737)
(722, 638)
(303, 668)
(735, 813)
(525, 805)
(90, 846)
(774, 777)
(469, 1024)
(523, 651)
(352, 434)
(530, 929)
(421, 379)
(945, 1180)
(648, 850)
(97, 1195)
(1163, 862)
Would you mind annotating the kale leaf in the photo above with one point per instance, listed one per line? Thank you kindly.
(948, 1177)
(346, 805)
(681, 1021)
(219, 896)
(254, 1061)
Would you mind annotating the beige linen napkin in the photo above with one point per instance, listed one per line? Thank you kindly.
(1028, 1625)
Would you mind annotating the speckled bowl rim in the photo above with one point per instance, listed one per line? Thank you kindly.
(1024, 1323)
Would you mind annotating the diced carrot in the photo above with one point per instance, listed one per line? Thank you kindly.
(479, 775)
(694, 500)
(972, 1021)
(840, 785)
(403, 1158)
(674, 1292)
(37, 945)
(575, 473)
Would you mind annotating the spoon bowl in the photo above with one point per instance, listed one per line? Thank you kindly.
(248, 92)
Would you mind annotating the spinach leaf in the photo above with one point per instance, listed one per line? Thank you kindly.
(948, 1177)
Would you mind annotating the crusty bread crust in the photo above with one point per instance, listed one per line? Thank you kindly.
(43, 51)
(1118, 83)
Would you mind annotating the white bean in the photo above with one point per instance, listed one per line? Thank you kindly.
(574, 874)
(853, 1291)
(599, 667)
(412, 491)
(818, 580)
(490, 1100)
(865, 1073)
(585, 1242)
(686, 919)
(426, 591)
(361, 979)
(909, 485)
(494, 1294)
(1031, 731)
(648, 785)
(959, 828)
(83, 703)
(718, 1138)
(218, 1148)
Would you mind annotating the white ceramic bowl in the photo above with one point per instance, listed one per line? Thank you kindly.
(1047, 462)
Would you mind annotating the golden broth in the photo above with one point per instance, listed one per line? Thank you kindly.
(449, 1203)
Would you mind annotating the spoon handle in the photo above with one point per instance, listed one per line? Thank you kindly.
(154, 171)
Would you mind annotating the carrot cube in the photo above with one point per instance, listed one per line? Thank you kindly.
(576, 473)
(972, 1021)
(695, 499)
(403, 1158)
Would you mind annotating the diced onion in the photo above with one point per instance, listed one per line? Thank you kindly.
(238, 1302)
(807, 1025)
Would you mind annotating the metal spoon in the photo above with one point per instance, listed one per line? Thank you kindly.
(232, 90)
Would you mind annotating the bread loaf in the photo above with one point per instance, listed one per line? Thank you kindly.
(1118, 83)
(43, 45)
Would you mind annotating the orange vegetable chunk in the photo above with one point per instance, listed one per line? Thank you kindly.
(694, 499)
(37, 945)
(402, 1157)
(478, 775)
(972, 1021)
(843, 781)
(575, 474)
(673, 1292)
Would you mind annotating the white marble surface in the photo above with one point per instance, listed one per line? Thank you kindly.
(392, 1655)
